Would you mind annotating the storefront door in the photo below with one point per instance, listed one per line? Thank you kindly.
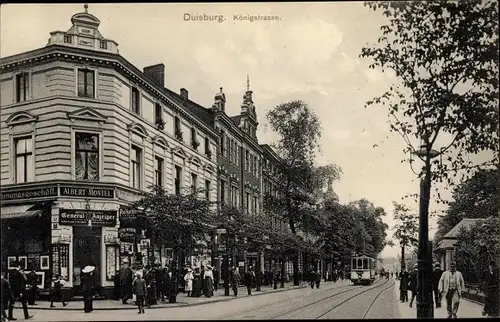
(86, 251)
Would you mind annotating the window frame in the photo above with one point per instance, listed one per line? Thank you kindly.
(99, 155)
(222, 192)
(178, 181)
(159, 171)
(28, 94)
(208, 184)
(90, 69)
(137, 148)
(103, 44)
(194, 182)
(14, 141)
(158, 118)
(98, 132)
(135, 108)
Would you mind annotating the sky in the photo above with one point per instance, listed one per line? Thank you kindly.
(310, 53)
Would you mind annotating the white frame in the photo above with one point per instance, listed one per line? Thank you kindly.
(96, 72)
(9, 258)
(89, 130)
(13, 167)
(48, 262)
(25, 261)
(41, 286)
(14, 86)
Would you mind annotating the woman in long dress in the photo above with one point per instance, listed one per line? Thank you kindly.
(188, 278)
(87, 288)
(197, 283)
(209, 281)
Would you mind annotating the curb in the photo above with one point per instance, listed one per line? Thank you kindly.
(164, 306)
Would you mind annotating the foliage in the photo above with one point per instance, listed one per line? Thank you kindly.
(406, 228)
(179, 220)
(231, 219)
(445, 56)
(477, 197)
(476, 246)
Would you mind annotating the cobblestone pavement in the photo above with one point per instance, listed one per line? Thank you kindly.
(467, 309)
(266, 306)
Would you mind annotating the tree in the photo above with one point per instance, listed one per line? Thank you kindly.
(406, 228)
(477, 197)
(477, 246)
(299, 130)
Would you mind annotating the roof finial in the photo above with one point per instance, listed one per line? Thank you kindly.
(86, 6)
(248, 83)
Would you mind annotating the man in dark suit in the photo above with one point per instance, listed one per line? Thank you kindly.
(126, 281)
(17, 281)
(7, 295)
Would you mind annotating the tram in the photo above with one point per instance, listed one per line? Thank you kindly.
(362, 269)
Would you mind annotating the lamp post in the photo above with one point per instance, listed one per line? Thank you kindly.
(424, 296)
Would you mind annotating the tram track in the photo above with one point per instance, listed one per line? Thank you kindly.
(282, 301)
(358, 294)
(354, 287)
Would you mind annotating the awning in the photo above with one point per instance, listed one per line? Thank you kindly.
(20, 211)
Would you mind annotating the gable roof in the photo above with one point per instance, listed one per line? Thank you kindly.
(466, 223)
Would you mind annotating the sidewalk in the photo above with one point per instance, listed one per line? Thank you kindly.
(467, 309)
(182, 300)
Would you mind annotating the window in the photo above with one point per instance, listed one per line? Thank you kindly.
(136, 107)
(247, 202)
(247, 159)
(24, 159)
(365, 263)
(103, 44)
(207, 147)
(86, 83)
(178, 178)
(207, 190)
(194, 182)
(22, 86)
(222, 192)
(255, 204)
(86, 156)
(158, 116)
(177, 128)
(230, 143)
(222, 143)
(194, 140)
(136, 167)
(159, 171)
(67, 39)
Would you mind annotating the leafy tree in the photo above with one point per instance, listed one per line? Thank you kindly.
(477, 197)
(406, 228)
(476, 246)
(299, 130)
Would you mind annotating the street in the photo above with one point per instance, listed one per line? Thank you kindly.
(331, 301)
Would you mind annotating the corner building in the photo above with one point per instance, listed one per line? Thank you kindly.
(83, 133)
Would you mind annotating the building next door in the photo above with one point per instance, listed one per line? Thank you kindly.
(86, 251)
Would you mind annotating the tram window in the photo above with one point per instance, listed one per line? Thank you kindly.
(365, 263)
(360, 263)
(353, 263)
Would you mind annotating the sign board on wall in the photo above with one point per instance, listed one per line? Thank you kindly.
(82, 216)
(30, 193)
(88, 192)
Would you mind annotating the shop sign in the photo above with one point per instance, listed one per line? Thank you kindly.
(131, 217)
(127, 234)
(82, 217)
(127, 196)
(30, 193)
(88, 192)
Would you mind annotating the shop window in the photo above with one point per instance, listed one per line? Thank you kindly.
(22, 86)
(86, 83)
(86, 156)
(24, 159)
(136, 166)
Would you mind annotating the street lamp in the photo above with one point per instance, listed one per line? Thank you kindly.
(424, 299)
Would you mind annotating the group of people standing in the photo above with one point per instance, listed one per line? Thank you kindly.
(200, 281)
(450, 285)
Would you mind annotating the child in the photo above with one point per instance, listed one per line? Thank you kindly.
(57, 284)
(139, 288)
(188, 278)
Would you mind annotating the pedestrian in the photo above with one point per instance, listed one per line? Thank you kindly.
(249, 280)
(235, 280)
(17, 280)
(318, 279)
(202, 278)
(412, 283)
(32, 284)
(140, 290)
(216, 278)
(126, 278)
(116, 283)
(197, 284)
(188, 278)
(490, 289)
(159, 280)
(149, 277)
(167, 284)
(403, 286)
(7, 297)
(209, 281)
(88, 281)
(56, 286)
(436, 276)
(451, 285)
(312, 277)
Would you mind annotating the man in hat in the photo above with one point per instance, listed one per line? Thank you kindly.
(451, 286)
(88, 281)
(126, 278)
(412, 283)
(17, 281)
(249, 279)
(7, 295)
(436, 276)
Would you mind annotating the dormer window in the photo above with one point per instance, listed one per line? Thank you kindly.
(103, 44)
(68, 39)
(86, 86)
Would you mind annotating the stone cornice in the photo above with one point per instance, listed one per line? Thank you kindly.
(110, 60)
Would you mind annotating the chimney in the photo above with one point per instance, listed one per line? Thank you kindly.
(184, 93)
(156, 73)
